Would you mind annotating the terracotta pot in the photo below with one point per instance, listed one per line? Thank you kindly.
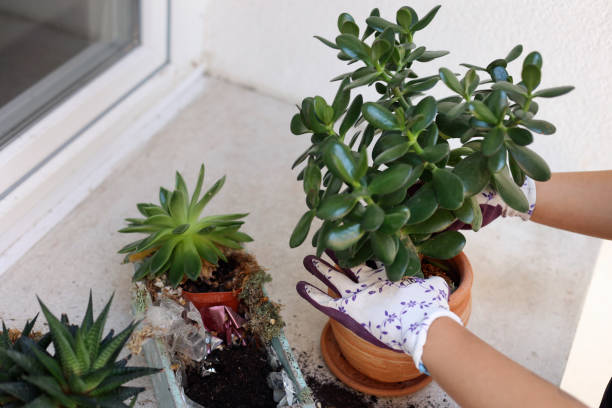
(208, 299)
(388, 366)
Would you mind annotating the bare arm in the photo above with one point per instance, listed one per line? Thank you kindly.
(476, 375)
(579, 202)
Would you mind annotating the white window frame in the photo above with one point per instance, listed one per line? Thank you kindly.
(56, 162)
(28, 152)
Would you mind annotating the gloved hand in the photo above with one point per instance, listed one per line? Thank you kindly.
(388, 314)
(492, 206)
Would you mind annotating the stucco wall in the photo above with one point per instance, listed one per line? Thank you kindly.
(268, 45)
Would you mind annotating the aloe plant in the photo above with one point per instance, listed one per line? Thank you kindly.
(181, 238)
(82, 372)
(11, 388)
(382, 175)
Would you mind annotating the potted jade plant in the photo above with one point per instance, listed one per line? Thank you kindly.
(216, 334)
(82, 371)
(390, 178)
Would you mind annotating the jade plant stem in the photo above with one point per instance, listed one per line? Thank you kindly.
(577, 202)
(476, 375)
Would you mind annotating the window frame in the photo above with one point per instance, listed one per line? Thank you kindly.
(46, 138)
(85, 156)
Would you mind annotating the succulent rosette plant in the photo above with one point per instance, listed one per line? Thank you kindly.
(178, 237)
(388, 177)
(83, 370)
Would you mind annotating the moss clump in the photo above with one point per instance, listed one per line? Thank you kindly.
(264, 316)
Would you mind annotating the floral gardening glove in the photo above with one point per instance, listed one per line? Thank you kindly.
(394, 315)
(492, 205)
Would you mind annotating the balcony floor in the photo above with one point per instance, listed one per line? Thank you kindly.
(529, 280)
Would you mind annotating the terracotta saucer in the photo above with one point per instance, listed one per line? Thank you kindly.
(338, 365)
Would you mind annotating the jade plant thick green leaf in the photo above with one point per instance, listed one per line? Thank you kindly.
(83, 370)
(179, 237)
(388, 177)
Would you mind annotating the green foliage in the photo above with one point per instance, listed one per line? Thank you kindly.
(391, 189)
(180, 238)
(13, 391)
(83, 370)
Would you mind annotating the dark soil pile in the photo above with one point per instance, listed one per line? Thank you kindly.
(223, 278)
(331, 395)
(239, 380)
(449, 276)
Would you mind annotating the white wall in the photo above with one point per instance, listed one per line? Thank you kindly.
(268, 45)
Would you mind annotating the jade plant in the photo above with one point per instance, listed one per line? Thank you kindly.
(178, 237)
(387, 177)
(82, 371)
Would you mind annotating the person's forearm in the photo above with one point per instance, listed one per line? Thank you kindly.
(476, 375)
(579, 202)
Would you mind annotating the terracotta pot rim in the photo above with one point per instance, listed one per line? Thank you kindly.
(466, 279)
(231, 292)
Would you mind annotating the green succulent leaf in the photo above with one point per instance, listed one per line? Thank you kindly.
(342, 237)
(335, 207)
(434, 154)
(520, 136)
(431, 55)
(352, 114)
(50, 386)
(493, 141)
(353, 47)
(509, 191)
(510, 88)
(529, 161)
(518, 175)
(384, 246)
(449, 189)
(373, 218)
(340, 162)
(533, 58)
(424, 22)
(451, 81)
(553, 92)
(427, 107)
(470, 82)
(404, 18)
(477, 221)
(395, 219)
(297, 126)
(514, 53)
(497, 161)
(393, 153)
(445, 245)
(395, 271)
(422, 204)
(473, 173)
(531, 77)
(341, 100)
(380, 24)
(300, 232)
(390, 180)
(439, 221)
(465, 213)
(482, 112)
(379, 116)
(539, 126)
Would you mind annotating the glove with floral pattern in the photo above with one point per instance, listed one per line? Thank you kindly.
(394, 315)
